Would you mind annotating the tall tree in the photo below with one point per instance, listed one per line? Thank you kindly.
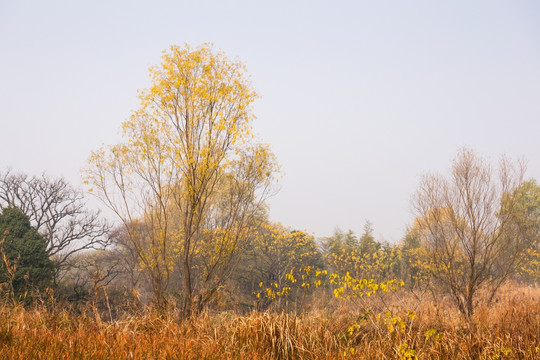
(188, 179)
(461, 224)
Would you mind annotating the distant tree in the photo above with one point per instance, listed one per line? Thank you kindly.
(525, 219)
(126, 261)
(339, 242)
(411, 240)
(57, 211)
(100, 277)
(274, 252)
(463, 228)
(24, 261)
(368, 245)
(415, 263)
(363, 258)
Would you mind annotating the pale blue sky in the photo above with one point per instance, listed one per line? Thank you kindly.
(359, 97)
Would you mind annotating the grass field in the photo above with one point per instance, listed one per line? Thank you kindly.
(510, 329)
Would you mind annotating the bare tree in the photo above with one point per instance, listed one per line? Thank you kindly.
(461, 224)
(57, 211)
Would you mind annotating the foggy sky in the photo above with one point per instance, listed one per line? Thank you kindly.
(359, 98)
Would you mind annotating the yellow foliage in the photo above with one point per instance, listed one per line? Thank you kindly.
(187, 170)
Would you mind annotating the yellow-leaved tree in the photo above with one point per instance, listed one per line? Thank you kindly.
(188, 181)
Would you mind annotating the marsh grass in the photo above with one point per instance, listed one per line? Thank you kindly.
(509, 329)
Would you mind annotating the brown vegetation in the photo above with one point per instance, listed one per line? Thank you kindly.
(507, 330)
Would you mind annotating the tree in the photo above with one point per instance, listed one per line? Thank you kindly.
(189, 179)
(102, 277)
(57, 211)
(525, 219)
(24, 262)
(416, 268)
(368, 245)
(339, 242)
(275, 252)
(465, 232)
(361, 258)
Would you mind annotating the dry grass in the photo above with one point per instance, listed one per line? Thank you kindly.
(508, 330)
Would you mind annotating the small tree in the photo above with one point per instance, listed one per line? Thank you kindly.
(465, 232)
(24, 264)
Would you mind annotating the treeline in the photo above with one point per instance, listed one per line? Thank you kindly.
(278, 268)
